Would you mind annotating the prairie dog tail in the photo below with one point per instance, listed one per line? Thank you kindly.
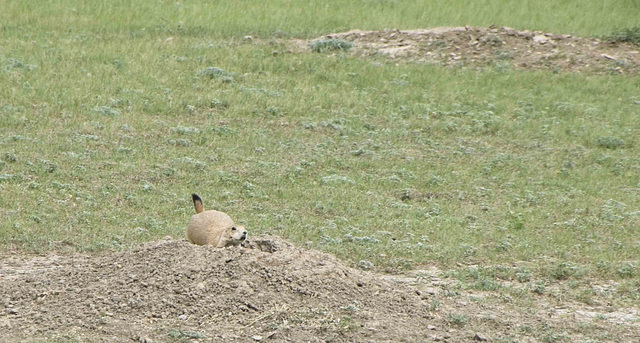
(197, 202)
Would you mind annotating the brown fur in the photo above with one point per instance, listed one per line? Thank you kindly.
(213, 227)
(197, 202)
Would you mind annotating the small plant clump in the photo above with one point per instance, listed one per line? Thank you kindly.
(323, 45)
(627, 270)
(106, 110)
(459, 320)
(179, 334)
(365, 265)
(610, 142)
(215, 73)
(627, 34)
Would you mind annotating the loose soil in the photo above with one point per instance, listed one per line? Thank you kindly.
(269, 290)
(477, 47)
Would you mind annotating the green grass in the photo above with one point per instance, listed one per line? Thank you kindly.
(309, 18)
(106, 129)
(626, 34)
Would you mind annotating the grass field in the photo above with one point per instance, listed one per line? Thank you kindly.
(110, 118)
(308, 18)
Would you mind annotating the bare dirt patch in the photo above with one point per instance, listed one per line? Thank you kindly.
(172, 290)
(497, 47)
(271, 291)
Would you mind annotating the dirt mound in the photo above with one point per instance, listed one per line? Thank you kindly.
(497, 47)
(268, 291)
(171, 289)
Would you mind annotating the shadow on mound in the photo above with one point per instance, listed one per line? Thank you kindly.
(268, 290)
(266, 244)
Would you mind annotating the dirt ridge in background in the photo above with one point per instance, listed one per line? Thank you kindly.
(499, 47)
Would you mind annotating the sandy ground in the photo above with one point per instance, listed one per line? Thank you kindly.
(271, 291)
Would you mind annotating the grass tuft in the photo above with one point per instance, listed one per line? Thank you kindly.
(214, 73)
(181, 334)
(627, 34)
(611, 142)
(324, 45)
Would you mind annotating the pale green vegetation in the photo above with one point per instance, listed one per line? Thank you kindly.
(112, 113)
(626, 34)
(203, 18)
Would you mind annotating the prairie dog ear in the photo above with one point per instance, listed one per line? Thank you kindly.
(197, 202)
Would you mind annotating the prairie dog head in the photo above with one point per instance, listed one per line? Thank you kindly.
(237, 235)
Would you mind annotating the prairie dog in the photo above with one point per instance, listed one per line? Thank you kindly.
(213, 227)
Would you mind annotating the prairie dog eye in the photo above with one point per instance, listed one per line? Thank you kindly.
(233, 228)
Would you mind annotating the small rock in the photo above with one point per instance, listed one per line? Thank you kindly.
(509, 31)
(144, 339)
(396, 51)
(182, 317)
(256, 338)
(540, 39)
(526, 34)
(12, 311)
(608, 57)
(480, 337)
(431, 327)
(431, 291)
(248, 37)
